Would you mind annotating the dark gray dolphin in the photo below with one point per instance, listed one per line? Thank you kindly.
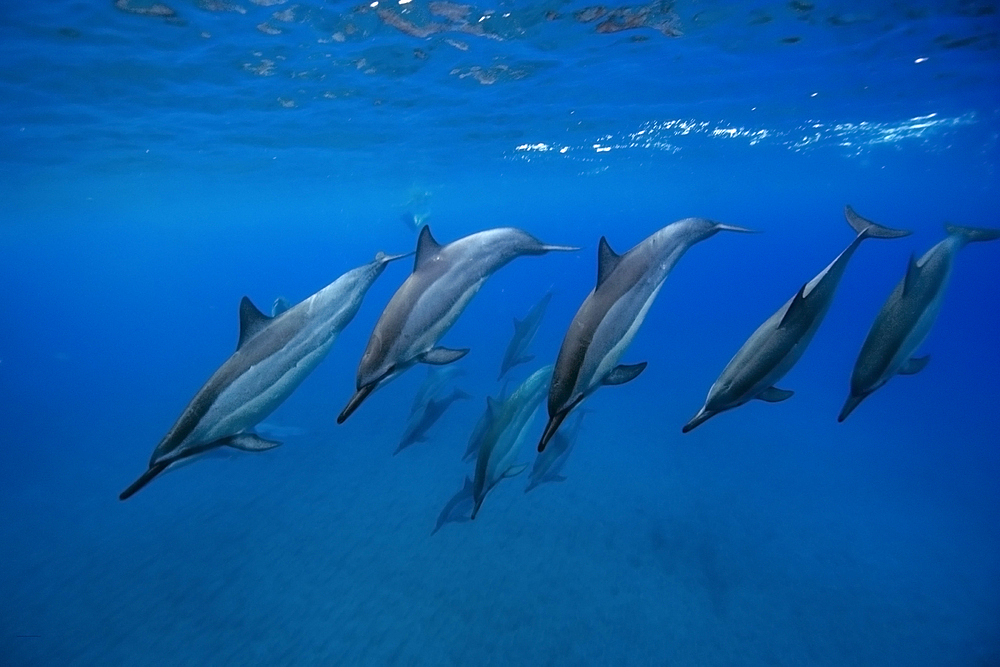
(482, 426)
(274, 355)
(444, 280)
(611, 314)
(549, 464)
(524, 333)
(422, 420)
(779, 342)
(908, 315)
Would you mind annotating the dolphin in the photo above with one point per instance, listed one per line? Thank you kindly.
(611, 314)
(509, 423)
(444, 280)
(550, 463)
(437, 377)
(780, 341)
(458, 509)
(273, 356)
(908, 315)
(482, 426)
(524, 333)
(421, 421)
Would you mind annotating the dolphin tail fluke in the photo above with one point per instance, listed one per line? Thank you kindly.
(871, 229)
(143, 480)
(359, 396)
(703, 415)
(973, 234)
(852, 402)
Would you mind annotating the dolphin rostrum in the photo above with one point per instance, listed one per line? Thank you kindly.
(444, 280)
(421, 421)
(273, 356)
(509, 423)
(908, 315)
(550, 463)
(524, 333)
(780, 341)
(611, 314)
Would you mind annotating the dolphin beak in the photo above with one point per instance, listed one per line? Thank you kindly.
(703, 415)
(143, 480)
(852, 402)
(550, 429)
(359, 396)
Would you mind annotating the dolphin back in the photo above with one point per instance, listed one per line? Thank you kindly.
(973, 234)
(871, 229)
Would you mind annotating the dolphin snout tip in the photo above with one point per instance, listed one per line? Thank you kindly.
(852, 402)
(700, 418)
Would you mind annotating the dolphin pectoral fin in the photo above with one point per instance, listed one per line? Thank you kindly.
(852, 402)
(557, 478)
(775, 395)
(439, 356)
(143, 480)
(703, 415)
(249, 442)
(622, 374)
(514, 471)
(793, 307)
(359, 396)
(523, 360)
(914, 365)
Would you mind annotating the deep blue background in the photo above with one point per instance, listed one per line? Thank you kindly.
(770, 535)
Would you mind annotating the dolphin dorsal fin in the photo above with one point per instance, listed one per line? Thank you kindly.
(912, 273)
(794, 306)
(251, 321)
(427, 247)
(492, 407)
(607, 260)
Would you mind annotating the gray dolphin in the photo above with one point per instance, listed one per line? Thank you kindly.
(549, 464)
(524, 333)
(908, 315)
(422, 420)
(508, 426)
(273, 356)
(611, 314)
(444, 280)
(780, 341)
(458, 509)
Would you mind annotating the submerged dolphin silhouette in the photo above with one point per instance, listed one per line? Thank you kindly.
(907, 316)
(780, 341)
(524, 333)
(444, 280)
(610, 316)
(274, 355)
(421, 421)
(549, 464)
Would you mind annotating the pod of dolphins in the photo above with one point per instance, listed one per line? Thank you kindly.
(274, 354)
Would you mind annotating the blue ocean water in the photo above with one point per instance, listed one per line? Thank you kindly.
(161, 160)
